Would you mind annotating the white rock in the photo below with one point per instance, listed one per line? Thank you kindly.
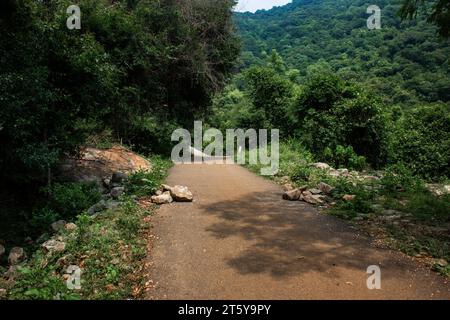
(179, 193)
(163, 199)
(321, 165)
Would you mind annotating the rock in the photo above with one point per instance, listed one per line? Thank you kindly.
(441, 263)
(306, 192)
(3, 293)
(54, 246)
(58, 225)
(390, 212)
(112, 204)
(42, 238)
(334, 173)
(95, 164)
(391, 218)
(16, 255)
(70, 226)
(315, 191)
(288, 187)
(312, 199)
(98, 207)
(2, 250)
(343, 171)
(321, 166)
(438, 190)
(117, 192)
(181, 194)
(106, 183)
(293, 195)
(325, 188)
(118, 177)
(370, 178)
(349, 197)
(158, 193)
(163, 199)
(285, 180)
(166, 187)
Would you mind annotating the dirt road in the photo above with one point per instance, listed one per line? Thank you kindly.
(240, 240)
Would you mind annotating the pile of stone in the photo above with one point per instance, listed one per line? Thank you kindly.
(113, 189)
(168, 194)
(317, 196)
(344, 173)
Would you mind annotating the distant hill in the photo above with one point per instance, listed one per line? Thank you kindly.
(405, 61)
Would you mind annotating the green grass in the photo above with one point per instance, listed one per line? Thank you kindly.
(108, 249)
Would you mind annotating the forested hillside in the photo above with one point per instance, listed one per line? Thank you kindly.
(406, 62)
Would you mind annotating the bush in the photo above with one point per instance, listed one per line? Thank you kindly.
(421, 141)
(41, 219)
(70, 199)
(145, 183)
(345, 157)
(333, 112)
(399, 178)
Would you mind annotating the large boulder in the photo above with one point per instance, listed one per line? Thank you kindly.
(16, 255)
(179, 193)
(164, 198)
(100, 165)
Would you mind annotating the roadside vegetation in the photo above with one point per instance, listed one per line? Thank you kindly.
(109, 247)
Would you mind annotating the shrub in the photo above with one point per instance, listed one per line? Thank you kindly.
(421, 141)
(345, 157)
(399, 178)
(70, 199)
(42, 218)
(145, 183)
(334, 112)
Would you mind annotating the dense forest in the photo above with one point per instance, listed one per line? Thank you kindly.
(405, 62)
(127, 75)
(351, 95)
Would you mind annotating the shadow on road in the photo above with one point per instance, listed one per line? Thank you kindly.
(289, 238)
